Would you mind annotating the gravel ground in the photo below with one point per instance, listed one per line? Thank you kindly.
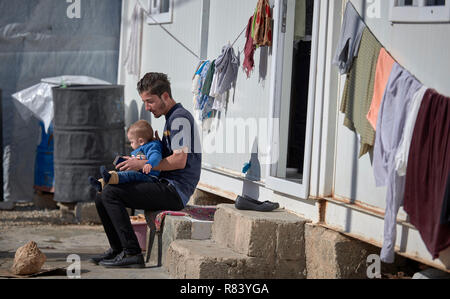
(27, 214)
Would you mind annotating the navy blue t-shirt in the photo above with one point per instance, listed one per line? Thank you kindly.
(180, 132)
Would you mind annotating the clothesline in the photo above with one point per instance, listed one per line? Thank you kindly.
(176, 39)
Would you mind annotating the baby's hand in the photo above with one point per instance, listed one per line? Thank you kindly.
(147, 168)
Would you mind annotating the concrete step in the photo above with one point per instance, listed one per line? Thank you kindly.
(274, 235)
(180, 228)
(192, 259)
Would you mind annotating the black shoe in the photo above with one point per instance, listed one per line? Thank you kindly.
(109, 254)
(124, 260)
(246, 203)
(95, 184)
(105, 174)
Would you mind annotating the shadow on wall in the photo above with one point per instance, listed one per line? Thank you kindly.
(146, 115)
(132, 114)
(254, 174)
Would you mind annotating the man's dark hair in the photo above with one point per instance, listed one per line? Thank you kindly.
(155, 83)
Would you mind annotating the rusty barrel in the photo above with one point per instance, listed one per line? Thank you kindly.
(88, 132)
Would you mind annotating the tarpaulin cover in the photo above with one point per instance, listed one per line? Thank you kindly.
(38, 39)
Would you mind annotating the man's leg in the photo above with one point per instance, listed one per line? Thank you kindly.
(108, 226)
(142, 196)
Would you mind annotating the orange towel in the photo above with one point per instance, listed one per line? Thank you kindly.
(383, 70)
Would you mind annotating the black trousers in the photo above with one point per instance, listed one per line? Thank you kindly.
(112, 203)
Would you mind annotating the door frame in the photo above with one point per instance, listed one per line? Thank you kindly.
(276, 90)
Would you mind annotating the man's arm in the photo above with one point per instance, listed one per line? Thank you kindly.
(174, 162)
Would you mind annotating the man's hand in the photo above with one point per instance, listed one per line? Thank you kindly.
(147, 168)
(131, 164)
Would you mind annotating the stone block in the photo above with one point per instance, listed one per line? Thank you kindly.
(86, 213)
(193, 259)
(267, 235)
(202, 198)
(332, 255)
(44, 200)
(67, 212)
(179, 228)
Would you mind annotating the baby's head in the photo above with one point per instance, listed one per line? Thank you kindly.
(140, 133)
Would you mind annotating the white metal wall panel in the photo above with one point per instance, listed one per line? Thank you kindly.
(251, 101)
(161, 53)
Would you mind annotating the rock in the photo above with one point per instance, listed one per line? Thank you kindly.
(28, 259)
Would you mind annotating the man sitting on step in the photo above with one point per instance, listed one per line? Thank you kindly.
(180, 172)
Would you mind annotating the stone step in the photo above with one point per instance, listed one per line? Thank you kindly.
(193, 259)
(278, 234)
(180, 228)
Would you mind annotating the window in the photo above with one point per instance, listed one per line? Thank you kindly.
(160, 11)
(420, 11)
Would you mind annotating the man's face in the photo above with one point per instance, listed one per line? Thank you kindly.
(154, 104)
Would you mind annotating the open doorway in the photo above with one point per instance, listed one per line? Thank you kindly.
(296, 100)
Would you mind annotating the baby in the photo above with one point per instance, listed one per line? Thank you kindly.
(140, 135)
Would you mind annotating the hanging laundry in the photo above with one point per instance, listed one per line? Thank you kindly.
(383, 70)
(208, 79)
(197, 85)
(207, 111)
(249, 50)
(358, 91)
(428, 169)
(220, 100)
(132, 60)
(399, 93)
(445, 214)
(262, 24)
(227, 67)
(349, 40)
(401, 158)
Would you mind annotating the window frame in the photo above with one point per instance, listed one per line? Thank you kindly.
(420, 13)
(158, 17)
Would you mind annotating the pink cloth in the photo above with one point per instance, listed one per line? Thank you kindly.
(383, 71)
(249, 50)
(197, 212)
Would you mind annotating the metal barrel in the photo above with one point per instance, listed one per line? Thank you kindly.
(88, 132)
(1, 146)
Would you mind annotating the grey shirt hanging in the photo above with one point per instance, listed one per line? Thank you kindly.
(350, 38)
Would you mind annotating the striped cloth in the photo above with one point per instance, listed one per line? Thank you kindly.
(358, 91)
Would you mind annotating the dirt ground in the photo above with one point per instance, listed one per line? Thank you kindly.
(58, 240)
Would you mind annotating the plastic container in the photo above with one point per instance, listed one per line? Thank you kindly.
(43, 174)
(140, 229)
